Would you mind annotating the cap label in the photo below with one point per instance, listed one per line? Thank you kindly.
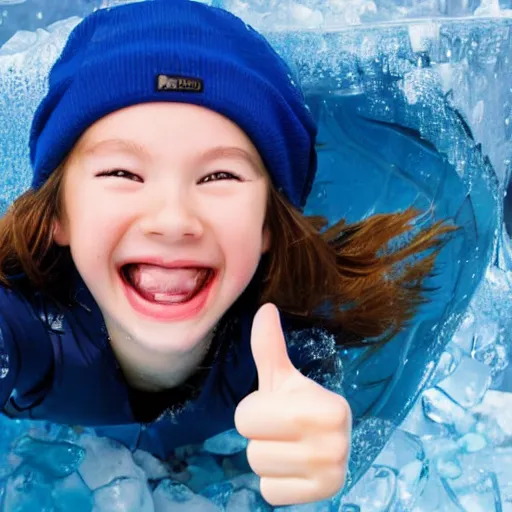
(178, 84)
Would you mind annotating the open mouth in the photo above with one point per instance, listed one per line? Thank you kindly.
(166, 286)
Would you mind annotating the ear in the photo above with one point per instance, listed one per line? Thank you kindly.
(60, 233)
(266, 239)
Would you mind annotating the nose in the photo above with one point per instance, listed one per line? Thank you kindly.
(172, 216)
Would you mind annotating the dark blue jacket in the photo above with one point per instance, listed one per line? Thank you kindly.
(56, 364)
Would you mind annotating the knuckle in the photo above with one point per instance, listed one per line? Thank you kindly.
(341, 414)
(339, 450)
(251, 453)
(333, 482)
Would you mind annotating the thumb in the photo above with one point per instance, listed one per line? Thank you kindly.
(269, 349)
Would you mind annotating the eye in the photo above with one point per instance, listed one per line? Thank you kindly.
(120, 173)
(219, 176)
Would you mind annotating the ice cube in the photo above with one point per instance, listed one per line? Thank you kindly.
(219, 494)
(247, 500)
(472, 443)
(248, 481)
(480, 496)
(436, 447)
(498, 406)
(468, 384)
(226, 443)
(71, 493)
(412, 480)
(448, 363)
(464, 337)
(54, 459)
(105, 461)
(401, 449)
(124, 494)
(204, 471)
(171, 496)
(436, 496)
(376, 491)
(418, 424)
(27, 490)
(448, 468)
(440, 408)
(154, 468)
(497, 461)
(350, 507)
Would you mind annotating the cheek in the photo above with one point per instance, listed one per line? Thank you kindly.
(242, 243)
(94, 232)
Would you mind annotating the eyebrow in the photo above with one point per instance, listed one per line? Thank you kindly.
(209, 154)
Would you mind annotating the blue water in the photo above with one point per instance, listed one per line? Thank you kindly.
(402, 124)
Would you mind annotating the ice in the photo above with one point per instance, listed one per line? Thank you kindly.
(376, 492)
(452, 450)
(449, 468)
(72, 494)
(124, 494)
(472, 443)
(479, 495)
(488, 8)
(154, 468)
(219, 494)
(423, 35)
(498, 406)
(54, 459)
(23, 41)
(419, 424)
(204, 471)
(412, 480)
(170, 496)
(402, 449)
(105, 461)
(448, 362)
(246, 480)
(469, 382)
(226, 443)
(497, 461)
(247, 499)
(27, 490)
(440, 408)
(304, 16)
(405, 451)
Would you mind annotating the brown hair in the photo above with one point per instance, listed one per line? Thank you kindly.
(345, 277)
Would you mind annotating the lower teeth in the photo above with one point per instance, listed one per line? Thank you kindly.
(164, 298)
(176, 298)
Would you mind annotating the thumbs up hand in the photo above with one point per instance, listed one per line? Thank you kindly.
(298, 431)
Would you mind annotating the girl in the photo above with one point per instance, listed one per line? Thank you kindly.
(172, 156)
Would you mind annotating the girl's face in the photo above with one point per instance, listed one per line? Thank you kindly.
(164, 213)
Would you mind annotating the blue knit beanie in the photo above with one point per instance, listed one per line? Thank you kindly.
(178, 51)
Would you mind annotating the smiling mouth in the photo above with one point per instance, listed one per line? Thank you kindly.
(166, 286)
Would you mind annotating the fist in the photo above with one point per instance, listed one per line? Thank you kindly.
(298, 431)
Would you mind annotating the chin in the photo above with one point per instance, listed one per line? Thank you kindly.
(167, 339)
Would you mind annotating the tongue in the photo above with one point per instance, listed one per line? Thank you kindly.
(166, 285)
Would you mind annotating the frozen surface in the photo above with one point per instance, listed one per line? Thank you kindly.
(413, 112)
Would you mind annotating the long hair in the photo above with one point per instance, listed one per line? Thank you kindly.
(354, 278)
(346, 276)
